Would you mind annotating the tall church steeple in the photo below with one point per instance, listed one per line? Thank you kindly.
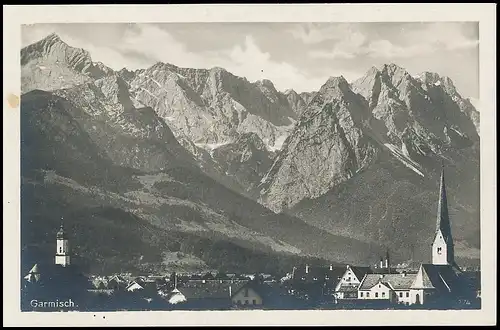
(442, 247)
(62, 253)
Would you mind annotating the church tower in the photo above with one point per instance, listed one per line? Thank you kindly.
(62, 254)
(442, 247)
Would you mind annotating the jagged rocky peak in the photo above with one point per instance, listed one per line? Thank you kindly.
(56, 49)
(295, 101)
(266, 83)
(326, 147)
(219, 73)
(432, 78)
(50, 64)
(127, 75)
(335, 87)
(393, 69)
(218, 69)
(164, 66)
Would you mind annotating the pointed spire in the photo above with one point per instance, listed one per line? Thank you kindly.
(443, 220)
(61, 233)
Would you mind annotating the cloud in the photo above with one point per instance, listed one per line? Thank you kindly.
(346, 48)
(245, 59)
(155, 44)
(109, 55)
(316, 33)
(309, 34)
(403, 41)
(323, 50)
(250, 61)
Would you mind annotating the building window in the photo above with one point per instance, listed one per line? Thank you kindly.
(439, 250)
(60, 249)
(383, 294)
(368, 294)
(239, 302)
(246, 302)
(361, 294)
(407, 294)
(246, 292)
(376, 294)
(401, 294)
(254, 302)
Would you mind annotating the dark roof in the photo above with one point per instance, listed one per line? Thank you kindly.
(60, 279)
(347, 288)
(210, 290)
(319, 273)
(393, 281)
(271, 293)
(440, 277)
(384, 271)
(61, 234)
(52, 270)
(360, 272)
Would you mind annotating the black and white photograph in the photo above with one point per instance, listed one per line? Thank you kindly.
(232, 166)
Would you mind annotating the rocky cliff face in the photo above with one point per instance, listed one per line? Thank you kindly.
(246, 160)
(385, 135)
(445, 92)
(296, 101)
(130, 137)
(51, 64)
(208, 109)
(91, 151)
(307, 96)
(357, 163)
(326, 147)
(213, 107)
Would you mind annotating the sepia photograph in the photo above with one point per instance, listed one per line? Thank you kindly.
(244, 166)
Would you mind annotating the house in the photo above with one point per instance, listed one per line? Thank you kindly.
(33, 275)
(135, 285)
(347, 287)
(314, 282)
(374, 287)
(208, 295)
(116, 282)
(175, 297)
(395, 288)
(248, 294)
(434, 283)
(247, 277)
(317, 273)
(263, 296)
(208, 277)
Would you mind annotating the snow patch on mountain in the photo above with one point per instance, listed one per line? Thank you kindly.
(278, 145)
(147, 91)
(211, 147)
(403, 158)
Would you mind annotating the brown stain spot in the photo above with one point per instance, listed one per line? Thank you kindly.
(13, 100)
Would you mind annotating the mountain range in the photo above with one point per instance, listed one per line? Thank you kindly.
(170, 168)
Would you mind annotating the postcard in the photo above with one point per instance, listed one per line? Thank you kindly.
(250, 164)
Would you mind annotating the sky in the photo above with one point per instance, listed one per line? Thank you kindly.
(301, 56)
